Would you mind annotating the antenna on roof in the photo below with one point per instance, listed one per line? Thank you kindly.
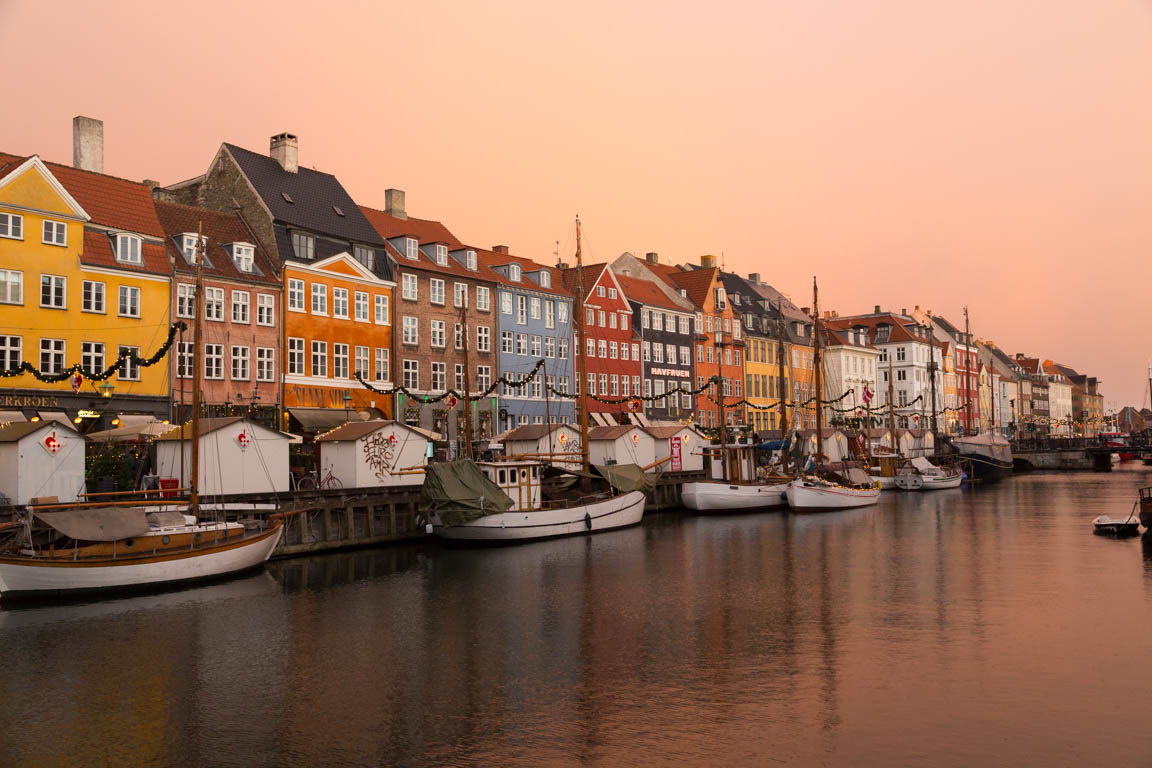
(556, 253)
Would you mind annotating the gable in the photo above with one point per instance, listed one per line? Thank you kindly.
(31, 185)
(343, 264)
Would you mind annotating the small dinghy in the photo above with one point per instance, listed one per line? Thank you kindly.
(1113, 526)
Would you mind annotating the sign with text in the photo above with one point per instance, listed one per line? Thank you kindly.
(677, 463)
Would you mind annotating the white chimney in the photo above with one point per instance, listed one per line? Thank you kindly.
(394, 203)
(88, 144)
(285, 149)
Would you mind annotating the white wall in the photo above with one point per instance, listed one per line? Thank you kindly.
(371, 461)
(691, 457)
(225, 467)
(622, 450)
(28, 471)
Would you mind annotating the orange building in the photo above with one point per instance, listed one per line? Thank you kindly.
(337, 321)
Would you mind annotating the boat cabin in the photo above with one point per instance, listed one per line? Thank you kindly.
(367, 454)
(41, 459)
(741, 457)
(519, 479)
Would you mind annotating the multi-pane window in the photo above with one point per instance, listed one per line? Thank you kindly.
(439, 377)
(185, 300)
(460, 294)
(437, 330)
(265, 309)
(505, 303)
(537, 388)
(304, 245)
(131, 369)
(602, 347)
(521, 310)
(483, 298)
(592, 384)
(483, 377)
(189, 249)
(92, 357)
(11, 286)
(535, 346)
(647, 346)
(591, 344)
(459, 385)
(240, 306)
(442, 255)
(412, 374)
(319, 358)
(603, 384)
(562, 312)
(470, 260)
(550, 346)
(244, 256)
(458, 337)
(364, 255)
(360, 307)
(411, 330)
(409, 287)
(601, 318)
(92, 296)
(657, 353)
(184, 360)
(128, 249)
(507, 340)
(535, 308)
(55, 232)
(514, 273)
(624, 387)
(483, 339)
(12, 226)
(382, 372)
(562, 384)
(563, 355)
(615, 385)
(635, 384)
(436, 290)
(319, 299)
(213, 361)
(685, 356)
(129, 301)
(214, 304)
(240, 363)
(411, 248)
(265, 364)
(52, 291)
(383, 315)
(683, 323)
(10, 351)
(295, 356)
(521, 343)
(612, 352)
(296, 295)
(339, 361)
(549, 313)
(623, 351)
(340, 302)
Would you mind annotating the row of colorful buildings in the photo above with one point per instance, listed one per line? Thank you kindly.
(314, 305)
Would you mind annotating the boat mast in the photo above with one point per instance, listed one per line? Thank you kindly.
(816, 372)
(467, 382)
(194, 480)
(892, 407)
(932, 383)
(724, 457)
(780, 386)
(968, 375)
(581, 360)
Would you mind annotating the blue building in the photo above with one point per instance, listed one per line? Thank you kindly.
(533, 323)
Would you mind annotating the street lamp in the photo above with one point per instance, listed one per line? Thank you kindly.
(106, 388)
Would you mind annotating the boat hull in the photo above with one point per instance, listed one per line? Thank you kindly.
(884, 481)
(29, 578)
(804, 495)
(725, 497)
(617, 512)
(932, 483)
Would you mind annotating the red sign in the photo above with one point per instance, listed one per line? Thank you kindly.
(77, 380)
(451, 401)
(677, 463)
(243, 439)
(634, 405)
(51, 444)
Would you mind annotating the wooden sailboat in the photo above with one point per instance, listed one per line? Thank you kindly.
(824, 490)
(988, 455)
(458, 498)
(65, 550)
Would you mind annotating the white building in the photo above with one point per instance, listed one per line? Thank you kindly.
(363, 454)
(835, 445)
(624, 444)
(850, 363)
(1059, 400)
(41, 459)
(688, 456)
(236, 456)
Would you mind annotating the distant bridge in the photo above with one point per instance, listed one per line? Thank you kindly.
(1078, 453)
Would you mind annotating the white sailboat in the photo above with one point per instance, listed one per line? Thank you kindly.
(923, 475)
(502, 500)
(825, 490)
(70, 549)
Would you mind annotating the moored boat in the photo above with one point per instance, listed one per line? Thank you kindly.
(721, 496)
(814, 493)
(1128, 526)
(922, 475)
(990, 456)
(1145, 502)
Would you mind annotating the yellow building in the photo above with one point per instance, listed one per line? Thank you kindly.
(84, 279)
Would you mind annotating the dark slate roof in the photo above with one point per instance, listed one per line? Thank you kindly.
(315, 196)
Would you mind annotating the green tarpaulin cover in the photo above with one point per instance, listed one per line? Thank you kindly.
(459, 492)
(624, 477)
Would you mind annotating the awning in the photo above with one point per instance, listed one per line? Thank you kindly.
(7, 416)
(135, 419)
(322, 419)
(133, 432)
(57, 416)
(98, 524)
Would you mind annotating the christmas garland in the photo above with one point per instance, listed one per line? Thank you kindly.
(107, 373)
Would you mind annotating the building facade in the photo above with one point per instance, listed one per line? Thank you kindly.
(665, 326)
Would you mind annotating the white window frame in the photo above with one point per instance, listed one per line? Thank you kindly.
(214, 304)
(483, 298)
(304, 246)
(341, 360)
(411, 374)
(319, 292)
(361, 307)
(56, 350)
(265, 363)
(483, 338)
(438, 334)
(411, 248)
(54, 233)
(297, 356)
(130, 371)
(410, 330)
(410, 287)
(319, 354)
(241, 307)
(241, 358)
(460, 291)
(296, 298)
(129, 249)
(91, 290)
(381, 303)
(57, 284)
(92, 357)
(11, 226)
(266, 309)
(244, 256)
(436, 291)
(514, 272)
(383, 360)
(340, 306)
(128, 301)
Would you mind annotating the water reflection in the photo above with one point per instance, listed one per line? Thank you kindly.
(947, 628)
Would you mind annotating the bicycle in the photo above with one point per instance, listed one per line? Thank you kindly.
(307, 481)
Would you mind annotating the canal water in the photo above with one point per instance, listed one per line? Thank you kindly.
(956, 628)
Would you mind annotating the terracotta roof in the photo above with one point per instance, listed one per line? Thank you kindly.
(98, 252)
(424, 230)
(647, 293)
(665, 271)
(591, 275)
(220, 229)
(110, 201)
(898, 325)
(314, 195)
(487, 260)
(696, 283)
(840, 337)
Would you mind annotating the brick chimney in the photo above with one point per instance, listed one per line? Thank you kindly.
(500, 249)
(394, 203)
(707, 261)
(88, 144)
(285, 149)
(876, 311)
(652, 258)
(754, 277)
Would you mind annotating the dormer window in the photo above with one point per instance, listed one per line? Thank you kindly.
(304, 245)
(684, 292)
(188, 246)
(442, 255)
(514, 273)
(411, 248)
(545, 279)
(364, 255)
(128, 249)
(470, 260)
(244, 256)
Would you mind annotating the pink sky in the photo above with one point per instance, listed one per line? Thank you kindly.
(940, 153)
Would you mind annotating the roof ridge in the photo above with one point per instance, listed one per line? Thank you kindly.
(266, 157)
